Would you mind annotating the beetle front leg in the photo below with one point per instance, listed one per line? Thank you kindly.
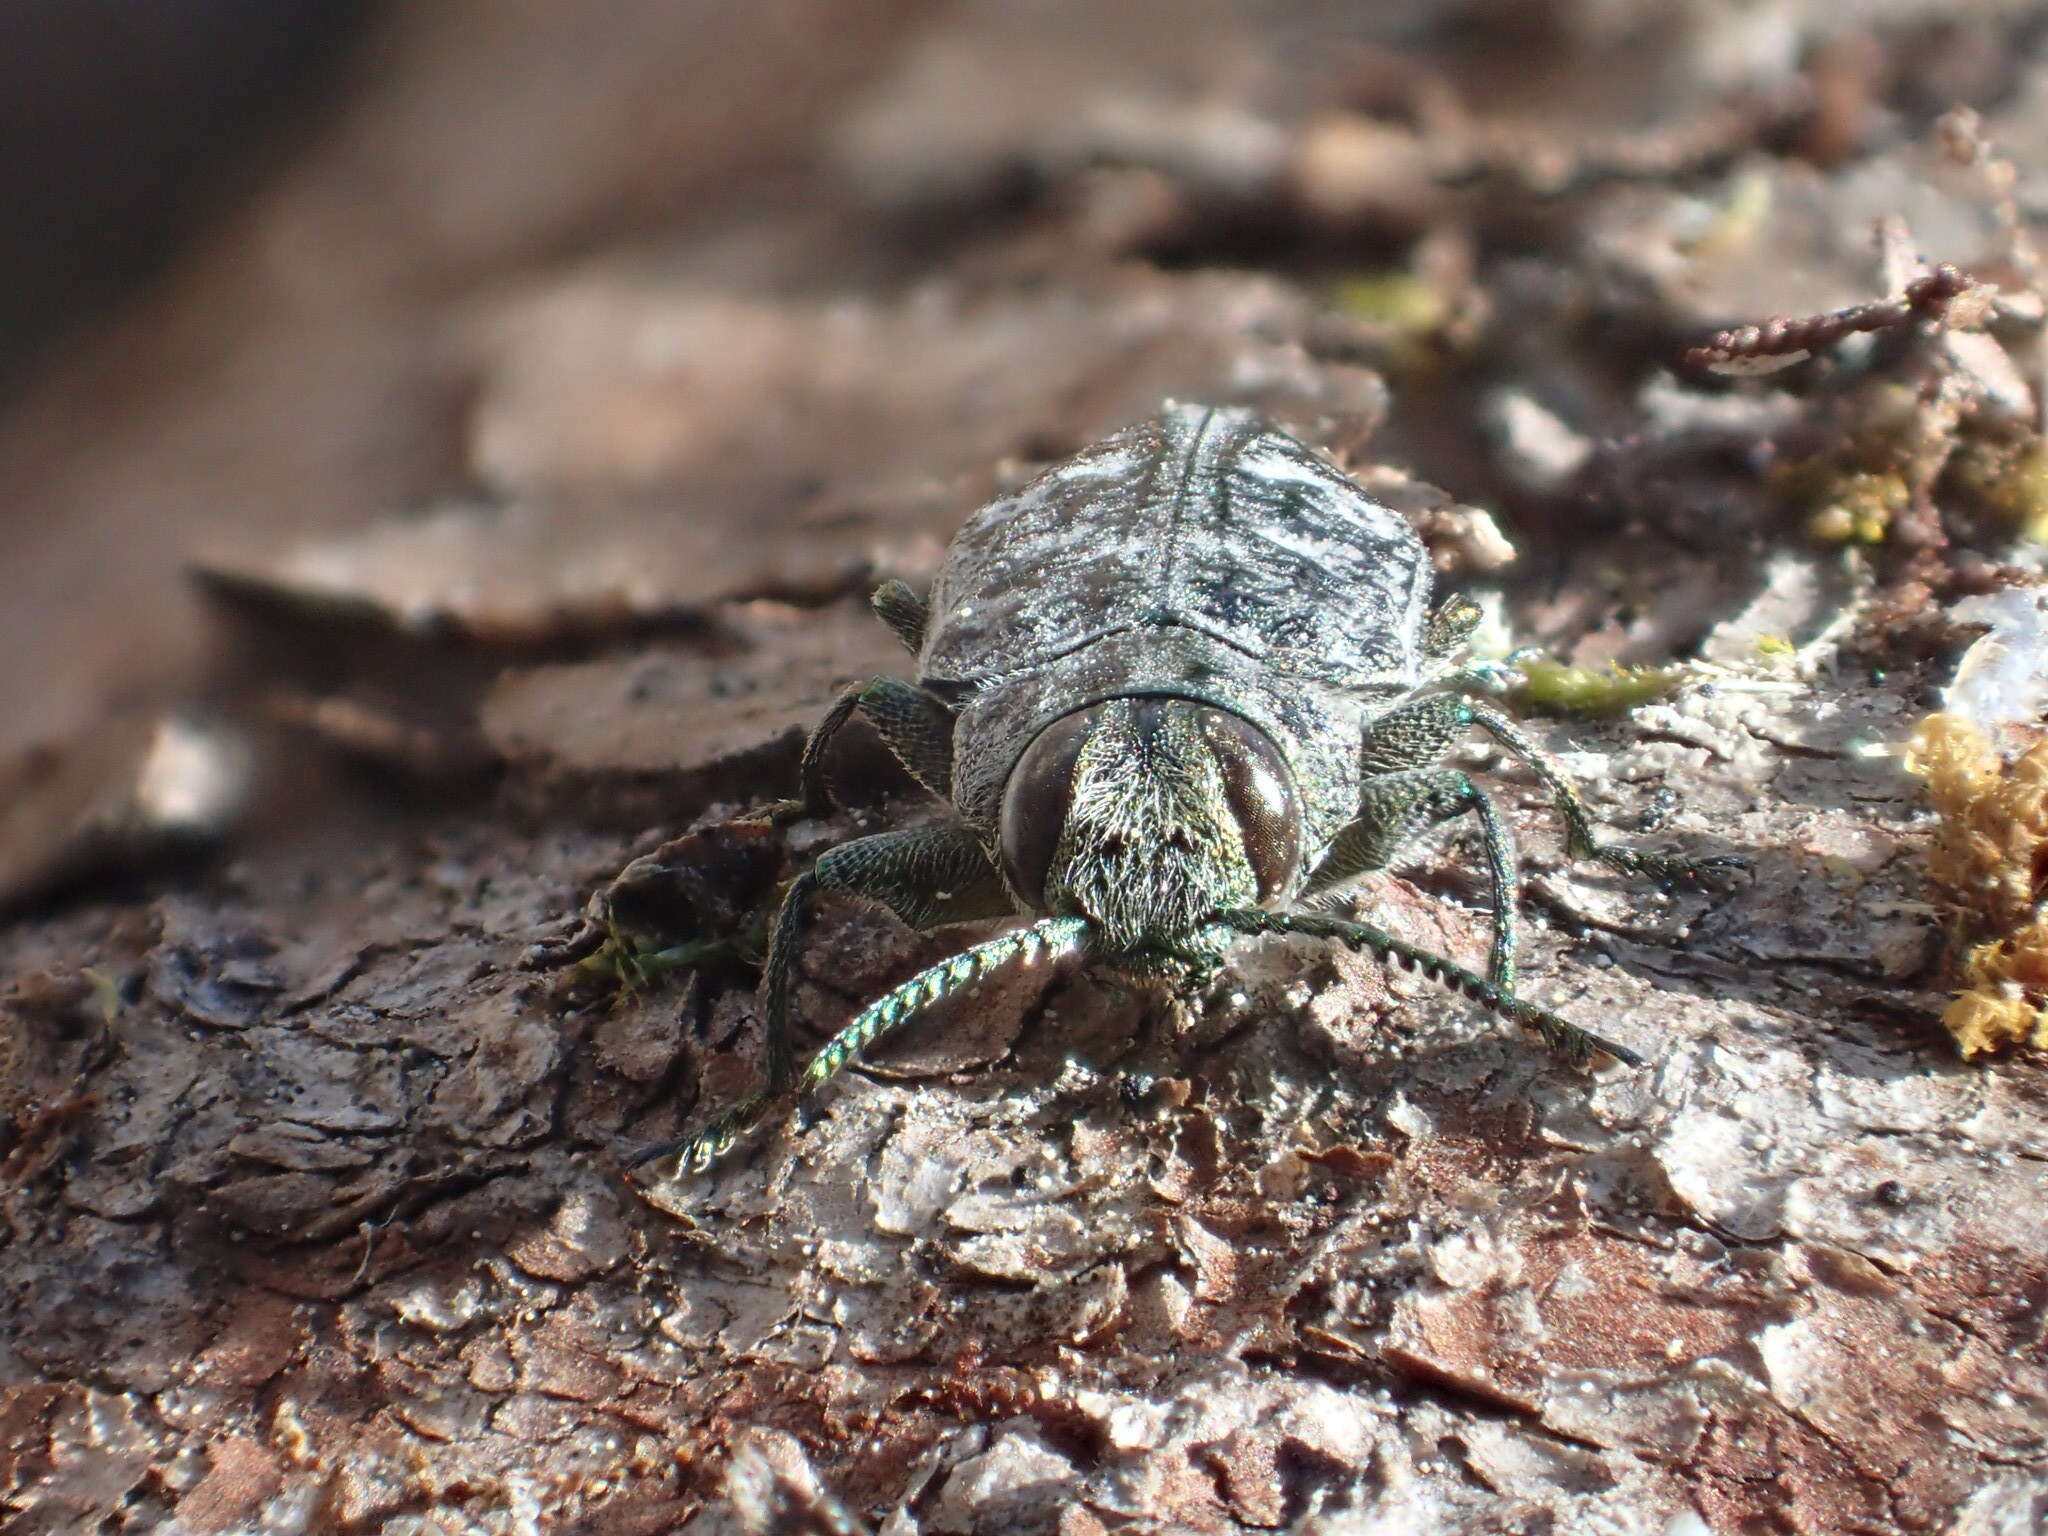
(1414, 736)
(1396, 808)
(1049, 938)
(1561, 1034)
(927, 878)
(914, 725)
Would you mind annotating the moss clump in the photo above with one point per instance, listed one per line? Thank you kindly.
(1840, 505)
(1558, 689)
(2009, 480)
(1991, 862)
(628, 965)
(1397, 300)
(1414, 325)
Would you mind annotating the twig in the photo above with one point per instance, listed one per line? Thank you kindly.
(1785, 340)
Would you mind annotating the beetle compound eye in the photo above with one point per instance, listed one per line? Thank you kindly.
(1036, 802)
(1260, 789)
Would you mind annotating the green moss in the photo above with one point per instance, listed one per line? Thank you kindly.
(629, 964)
(1411, 321)
(1558, 689)
(1854, 507)
(1398, 300)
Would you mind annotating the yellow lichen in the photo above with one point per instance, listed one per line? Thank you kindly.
(1991, 862)
(1414, 327)
(1743, 212)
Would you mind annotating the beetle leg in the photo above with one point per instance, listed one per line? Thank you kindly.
(906, 614)
(1450, 626)
(1560, 1034)
(1047, 939)
(1417, 734)
(927, 877)
(1396, 808)
(1581, 841)
(915, 727)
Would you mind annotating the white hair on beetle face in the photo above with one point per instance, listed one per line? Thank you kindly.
(1150, 848)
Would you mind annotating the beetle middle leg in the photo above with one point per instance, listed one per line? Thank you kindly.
(1419, 733)
(906, 613)
(914, 725)
(1450, 626)
(1396, 808)
(1581, 840)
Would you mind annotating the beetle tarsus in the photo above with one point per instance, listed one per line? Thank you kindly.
(697, 1154)
(1578, 1044)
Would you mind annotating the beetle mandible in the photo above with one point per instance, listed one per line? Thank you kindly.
(1175, 685)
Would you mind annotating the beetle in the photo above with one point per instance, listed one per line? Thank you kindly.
(1176, 685)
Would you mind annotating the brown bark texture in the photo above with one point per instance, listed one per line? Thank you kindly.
(489, 502)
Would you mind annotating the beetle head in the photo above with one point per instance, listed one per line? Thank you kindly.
(1148, 816)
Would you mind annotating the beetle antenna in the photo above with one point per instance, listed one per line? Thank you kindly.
(1559, 1034)
(1052, 938)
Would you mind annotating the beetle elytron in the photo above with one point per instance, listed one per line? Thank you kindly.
(1173, 686)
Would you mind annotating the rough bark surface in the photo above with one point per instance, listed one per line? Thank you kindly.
(313, 1196)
